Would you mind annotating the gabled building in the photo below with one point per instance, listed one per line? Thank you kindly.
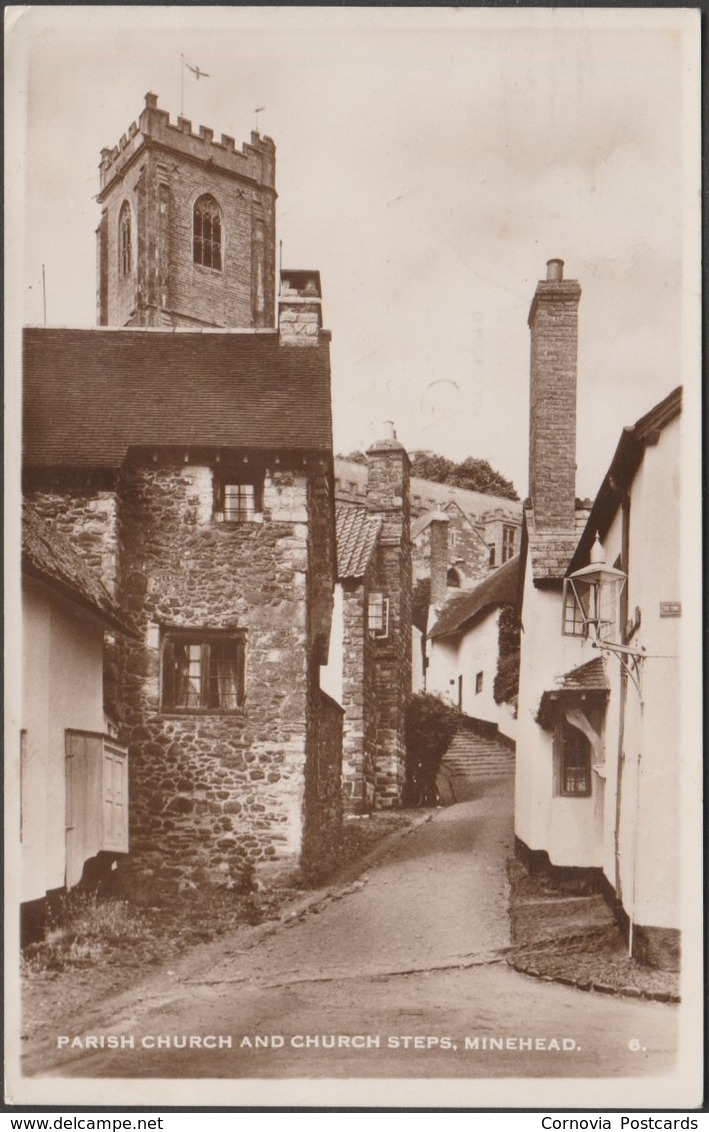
(473, 631)
(73, 771)
(598, 765)
(191, 467)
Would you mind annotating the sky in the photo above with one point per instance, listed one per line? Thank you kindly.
(429, 163)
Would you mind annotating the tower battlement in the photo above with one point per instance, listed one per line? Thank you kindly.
(255, 161)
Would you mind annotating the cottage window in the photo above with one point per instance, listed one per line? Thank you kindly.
(493, 553)
(237, 501)
(378, 616)
(508, 542)
(203, 671)
(207, 233)
(478, 683)
(574, 754)
(125, 241)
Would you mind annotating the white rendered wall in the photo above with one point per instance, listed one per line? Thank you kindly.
(62, 688)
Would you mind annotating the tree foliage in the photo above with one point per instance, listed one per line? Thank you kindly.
(471, 473)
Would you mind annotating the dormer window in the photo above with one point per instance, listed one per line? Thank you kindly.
(207, 233)
(378, 616)
(125, 240)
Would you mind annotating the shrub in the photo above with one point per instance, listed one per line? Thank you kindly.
(506, 683)
(430, 724)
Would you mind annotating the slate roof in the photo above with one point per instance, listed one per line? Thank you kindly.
(91, 394)
(498, 589)
(590, 678)
(47, 555)
(357, 531)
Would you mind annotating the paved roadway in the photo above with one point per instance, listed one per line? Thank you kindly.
(402, 975)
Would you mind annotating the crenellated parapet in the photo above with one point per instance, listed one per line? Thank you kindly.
(255, 161)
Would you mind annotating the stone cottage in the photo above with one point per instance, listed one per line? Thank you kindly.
(187, 454)
(369, 671)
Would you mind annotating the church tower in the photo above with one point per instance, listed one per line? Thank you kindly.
(187, 232)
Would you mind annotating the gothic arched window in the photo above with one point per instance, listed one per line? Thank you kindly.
(125, 240)
(207, 233)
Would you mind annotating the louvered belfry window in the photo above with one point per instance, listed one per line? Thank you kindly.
(125, 240)
(207, 233)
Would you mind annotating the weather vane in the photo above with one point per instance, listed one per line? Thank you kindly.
(196, 71)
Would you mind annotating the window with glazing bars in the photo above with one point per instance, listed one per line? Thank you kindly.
(575, 769)
(239, 502)
(203, 672)
(207, 233)
(378, 616)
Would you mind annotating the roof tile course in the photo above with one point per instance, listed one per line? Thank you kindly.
(357, 534)
(48, 555)
(91, 394)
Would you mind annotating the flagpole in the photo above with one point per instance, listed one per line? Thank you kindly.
(182, 86)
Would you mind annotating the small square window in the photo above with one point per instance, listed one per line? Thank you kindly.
(236, 500)
(202, 672)
(478, 683)
(378, 616)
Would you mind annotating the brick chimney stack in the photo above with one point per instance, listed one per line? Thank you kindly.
(439, 559)
(553, 321)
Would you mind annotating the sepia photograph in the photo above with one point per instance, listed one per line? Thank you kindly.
(353, 750)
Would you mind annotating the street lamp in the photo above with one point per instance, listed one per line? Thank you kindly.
(594, 593)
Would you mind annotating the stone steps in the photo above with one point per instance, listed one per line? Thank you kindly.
(474, 756)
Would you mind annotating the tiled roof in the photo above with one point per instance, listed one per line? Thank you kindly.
(498, 589)
(357, 532)
(586, 676)
(47, 555)
(91, 394)
(589, 679)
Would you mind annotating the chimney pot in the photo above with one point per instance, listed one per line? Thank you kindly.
(389, 431)
(555, 270)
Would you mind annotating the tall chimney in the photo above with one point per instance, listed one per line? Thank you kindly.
(553, 321)
(439, 559)
(388, 496)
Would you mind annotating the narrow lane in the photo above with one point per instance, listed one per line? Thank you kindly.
(405, 977)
